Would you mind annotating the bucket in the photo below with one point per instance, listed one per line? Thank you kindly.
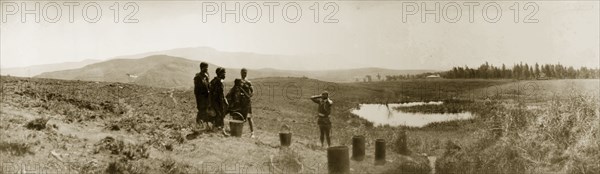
(285, 138)
(236, 128)
(338, 159)
(358, 148)
(380, 152)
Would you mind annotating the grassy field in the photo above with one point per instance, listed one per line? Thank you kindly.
(534, 127)
(93, 127)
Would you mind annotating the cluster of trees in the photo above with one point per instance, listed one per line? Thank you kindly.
(368, 78)
(379, 77)
(522, 71)
(487, 71)
(402, 77)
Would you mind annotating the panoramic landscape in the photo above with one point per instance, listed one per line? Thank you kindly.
(341, 87)
(527, 126)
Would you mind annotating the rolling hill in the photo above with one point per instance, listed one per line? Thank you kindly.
(244, 59)
(177, 72)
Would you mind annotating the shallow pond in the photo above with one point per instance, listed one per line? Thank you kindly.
(381, 114)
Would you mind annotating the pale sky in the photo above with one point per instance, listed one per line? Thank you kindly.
(368, 34)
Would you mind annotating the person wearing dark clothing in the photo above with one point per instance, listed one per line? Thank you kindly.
(247, 102)
(201, 91)
(236, 97)
(218, 101)
(323, 116)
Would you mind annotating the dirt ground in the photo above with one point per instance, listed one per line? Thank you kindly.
(112, 128)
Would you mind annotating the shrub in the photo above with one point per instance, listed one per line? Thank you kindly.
(17, 149)
(37, 124)
(118, 147)
(125, 167)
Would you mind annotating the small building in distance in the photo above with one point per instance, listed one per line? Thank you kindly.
(433, 76)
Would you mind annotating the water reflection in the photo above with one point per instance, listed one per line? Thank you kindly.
(382, 114)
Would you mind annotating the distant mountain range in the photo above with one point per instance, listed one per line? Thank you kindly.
(248, 59)
(222, 58)
(177, 72)
(177, 67)
(34, 70)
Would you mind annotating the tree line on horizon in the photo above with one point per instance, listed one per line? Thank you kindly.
(522, 71)
(517, 71)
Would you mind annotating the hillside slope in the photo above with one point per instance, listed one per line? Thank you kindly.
(117, 127)
(168, 71)
(159, 71)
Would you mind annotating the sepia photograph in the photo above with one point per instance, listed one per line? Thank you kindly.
(306, 86)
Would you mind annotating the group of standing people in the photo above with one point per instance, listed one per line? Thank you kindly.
(213, 104)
